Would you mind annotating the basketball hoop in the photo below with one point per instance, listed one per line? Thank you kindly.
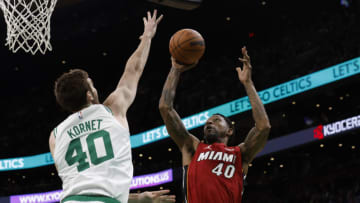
(28, 24)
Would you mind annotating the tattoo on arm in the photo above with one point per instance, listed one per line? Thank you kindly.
(172, 120)
(169, 90)
(254, 142)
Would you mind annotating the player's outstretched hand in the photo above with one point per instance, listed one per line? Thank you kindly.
(244, 73)
(156, 197)
(182, 67)
(150, 24)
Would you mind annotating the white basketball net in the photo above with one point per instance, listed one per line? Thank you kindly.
(28, 24)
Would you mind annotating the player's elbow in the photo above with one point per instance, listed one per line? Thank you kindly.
(163, 107)
(265, 128)
(132, 68)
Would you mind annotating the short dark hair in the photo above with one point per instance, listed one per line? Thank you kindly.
(232, 126)
(71, 88)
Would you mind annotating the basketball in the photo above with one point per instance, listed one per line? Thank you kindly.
(187, 46)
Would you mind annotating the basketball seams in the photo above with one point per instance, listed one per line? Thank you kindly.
(178, 53)
(187, 46)
(175, 41)
(193, 50)
(189, 40)
(188, 50)
(177, 44)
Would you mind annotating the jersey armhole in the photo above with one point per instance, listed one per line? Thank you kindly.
(108, 109)
(55, 132)
(185, 184)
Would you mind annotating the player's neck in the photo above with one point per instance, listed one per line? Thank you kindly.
(84, 107)
(220, 141)
(223, 140)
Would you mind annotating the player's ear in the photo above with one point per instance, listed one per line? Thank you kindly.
(229, 132)
(89, 97)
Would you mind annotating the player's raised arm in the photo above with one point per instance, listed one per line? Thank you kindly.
(120, 100)
(176, 129)
(258, 135)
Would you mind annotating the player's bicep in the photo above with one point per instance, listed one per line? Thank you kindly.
(52, 143)
(52, 146)
(253, 144)
(247, 148)
(119, 101)
(129, 79)
(123, 96)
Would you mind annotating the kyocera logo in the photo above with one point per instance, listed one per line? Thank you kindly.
(318, 132)
(337, 127)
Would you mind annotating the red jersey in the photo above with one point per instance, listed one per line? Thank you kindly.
(214, 175)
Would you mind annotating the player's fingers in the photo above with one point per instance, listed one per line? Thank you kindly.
(149, 15)
(194, 64)
(243, 50)
(173, 60)
(154, 14)
(246, 55)
(243, 60)
(144, 19)
(160, 192)
(159, 19)
(168, 200)
(238, 69)
(168, 197)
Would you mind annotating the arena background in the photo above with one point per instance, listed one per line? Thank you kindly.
(285, 39)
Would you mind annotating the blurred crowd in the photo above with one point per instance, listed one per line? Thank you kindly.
(309, 174)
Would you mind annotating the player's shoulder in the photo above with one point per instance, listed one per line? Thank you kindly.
(56, 130)
(95, 109)
(202, 145)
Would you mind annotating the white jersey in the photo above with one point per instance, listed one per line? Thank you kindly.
(93, 154)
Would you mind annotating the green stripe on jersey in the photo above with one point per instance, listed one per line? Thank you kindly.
(88, 198)
(108, 109)
(55, 131)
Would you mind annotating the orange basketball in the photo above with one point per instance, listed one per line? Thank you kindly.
(187, 46)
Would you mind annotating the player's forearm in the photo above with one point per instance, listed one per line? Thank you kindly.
(258, 109)
(169, 90)
(172, 120)
(137, 60)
